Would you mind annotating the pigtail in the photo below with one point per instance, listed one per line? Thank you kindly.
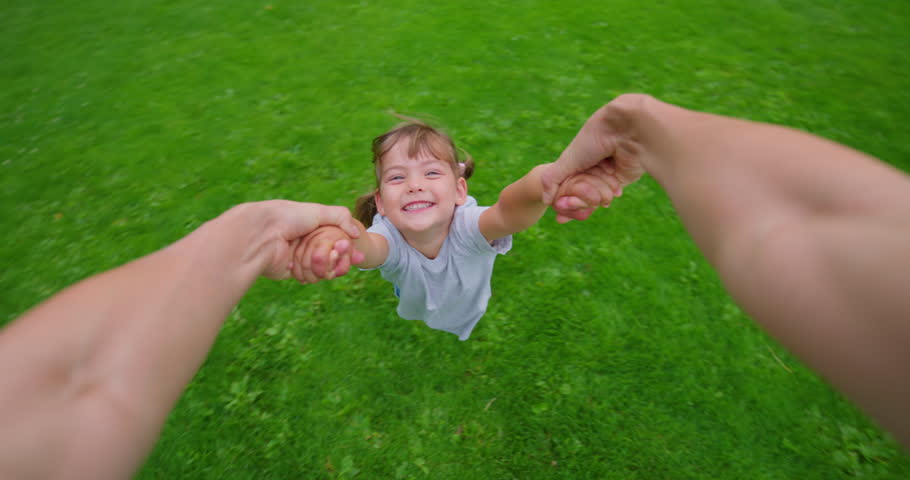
(365, 208)
(468, 169)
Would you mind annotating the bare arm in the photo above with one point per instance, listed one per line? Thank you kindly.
(375, 247)
(811, 237)
(90, 374)
(519, 206)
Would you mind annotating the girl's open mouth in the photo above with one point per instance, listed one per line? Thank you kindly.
(417, 206)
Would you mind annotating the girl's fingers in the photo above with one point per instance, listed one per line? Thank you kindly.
(342, 246)
(614, 184)
(322, 260)
(345, 248)
(330, 268)
(357, 256)
(598, 190)
(583, 214)
(343, 266)
(313, 266)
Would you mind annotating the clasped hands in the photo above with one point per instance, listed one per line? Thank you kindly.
(328, 252)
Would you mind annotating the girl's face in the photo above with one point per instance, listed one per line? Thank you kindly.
(418, 194)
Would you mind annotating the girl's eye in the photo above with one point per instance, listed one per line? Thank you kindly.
(395, 178)
(433, 173)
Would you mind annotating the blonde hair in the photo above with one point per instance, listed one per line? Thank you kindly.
(423, 138)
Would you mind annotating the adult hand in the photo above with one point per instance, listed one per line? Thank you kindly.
(603, 142)
(582, 193)
(283, 226)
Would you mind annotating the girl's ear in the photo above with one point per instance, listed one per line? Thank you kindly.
(377, 199)
(461, 191)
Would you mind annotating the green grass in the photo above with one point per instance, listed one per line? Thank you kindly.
(610, 349)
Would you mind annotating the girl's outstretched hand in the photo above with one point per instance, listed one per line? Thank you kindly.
(324, 254)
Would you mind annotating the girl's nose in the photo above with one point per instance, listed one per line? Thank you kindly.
(415, 186)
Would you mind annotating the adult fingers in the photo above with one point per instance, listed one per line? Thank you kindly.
(286, 222)
(606, 172)
(293, 249)
(609, 188)
(628, 169)
(303, 218)
(341, 217)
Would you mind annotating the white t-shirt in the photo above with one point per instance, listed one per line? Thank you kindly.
(449, 292)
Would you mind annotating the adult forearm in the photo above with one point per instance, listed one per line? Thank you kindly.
(809, 237)
(118, 349)
(731, 177)
(172, 324)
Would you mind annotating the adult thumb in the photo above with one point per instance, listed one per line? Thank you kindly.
(310, 216)
(341, 217)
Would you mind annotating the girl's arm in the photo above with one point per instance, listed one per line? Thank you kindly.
(375, 247)
(520, 205)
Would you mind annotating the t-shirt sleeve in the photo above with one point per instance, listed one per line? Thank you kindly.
(385, 228)
(466, 229)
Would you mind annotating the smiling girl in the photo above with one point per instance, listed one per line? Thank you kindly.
(427, 236)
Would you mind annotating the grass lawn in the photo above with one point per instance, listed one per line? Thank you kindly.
(610, 349)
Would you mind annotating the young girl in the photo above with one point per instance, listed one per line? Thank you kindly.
(427, 236)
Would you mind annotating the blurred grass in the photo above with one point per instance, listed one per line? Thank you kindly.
(610, 349)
